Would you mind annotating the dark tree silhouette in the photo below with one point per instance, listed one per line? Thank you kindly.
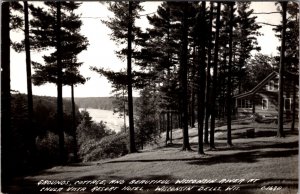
(229, 84)
(6, 133)
(183, 74)
(202, 77)
(28, 74)
(132, 147)
(208, 74)
(59, 84)
(215, 74)
(291, 57)
(61, 66)
(280, 132)
(124, 32)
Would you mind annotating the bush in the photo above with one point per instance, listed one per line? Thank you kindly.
(88, 130)
(48, 153)
(109, 147)
(34, 144)
(91, 136)
(47, 149)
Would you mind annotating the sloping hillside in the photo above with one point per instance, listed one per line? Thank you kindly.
(265, 160)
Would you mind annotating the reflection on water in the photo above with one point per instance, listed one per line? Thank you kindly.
(112, 121)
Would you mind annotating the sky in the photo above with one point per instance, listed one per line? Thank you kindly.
(101, 50)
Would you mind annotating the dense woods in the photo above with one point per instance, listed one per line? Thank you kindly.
(188, 66)
(44, 128)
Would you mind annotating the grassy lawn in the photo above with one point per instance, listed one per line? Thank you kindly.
(272, 161)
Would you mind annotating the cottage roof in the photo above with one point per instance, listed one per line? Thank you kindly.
(289, 75)
(257, 87)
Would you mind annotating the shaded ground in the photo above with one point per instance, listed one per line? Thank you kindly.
(273, 161)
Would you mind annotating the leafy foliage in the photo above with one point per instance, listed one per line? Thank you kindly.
(89, 135)
(44, 129)
(111, 146)
(258, 68)
(97, 142)
(87, 129)
(146, 118)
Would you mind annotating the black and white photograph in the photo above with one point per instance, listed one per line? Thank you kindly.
(149, 97)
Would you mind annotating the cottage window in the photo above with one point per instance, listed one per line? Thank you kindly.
(272, 85)
(264, 104)
(287, 103)
(245, 103)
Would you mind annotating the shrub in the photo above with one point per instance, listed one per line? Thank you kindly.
(48, 152)
(111, 146)
(90, 137)
(47, 149)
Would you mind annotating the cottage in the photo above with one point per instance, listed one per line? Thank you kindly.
(262, 100)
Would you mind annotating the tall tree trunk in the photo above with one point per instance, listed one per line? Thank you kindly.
(229, 98)
(75, 149)
(168, 128)
(180, 120)
(280, 132)
(59, 86)
(6, 133)
(240, 79)
(132, 147)
(208, 77)
(171, 138)
(168, 75)
(192, 110)
(215, 74)
(124, 109)
(163, 122)
(183, 68)
(202, 78)
(294, 107)
(29, 83)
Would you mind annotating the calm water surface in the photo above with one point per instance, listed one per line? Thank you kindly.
(112, 121)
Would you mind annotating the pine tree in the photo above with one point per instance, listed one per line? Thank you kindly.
(183, 73)
(201, 76)
(123, 33)
(246, 32)
(223, 77)
(164, 33)
(292, 57)
(28, 72)
(59, 27)
(146, 116)
(292, 47)
(280, 132)
(215, 74)
(59, 84)
(229, 84)
(6, 133)
(132, 147)
(22, 23)
(208, 74)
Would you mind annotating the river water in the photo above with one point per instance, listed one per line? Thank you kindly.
(112, 121)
